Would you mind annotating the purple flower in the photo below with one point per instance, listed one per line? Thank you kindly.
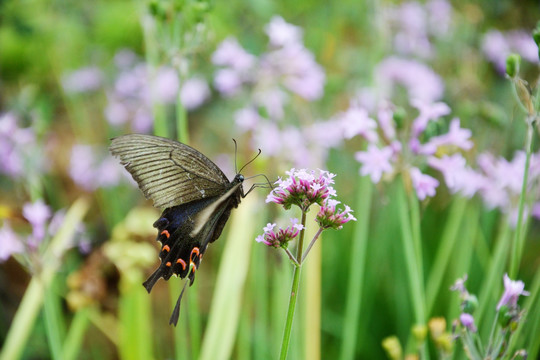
(37, 214)
(428, 112)
(194, 93)
(165, 85)
(302, 188)
(456, 137)
(512, 291)
(497, 46)
(281, 237)
(457, 175)
(227, 81)
(247, 118)
(91, 168)
(375, 162)
(231, 54)
(424, 185)
(17, 147)
(356, 121)
(459, 285)
(282, 33)
(83, 80)
(467, 320)
(330, 218)
(419, 80)
(9, 242)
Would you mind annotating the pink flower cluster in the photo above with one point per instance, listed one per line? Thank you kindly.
(391, 149)
(302, 188)
(281, 237)
(330, 218)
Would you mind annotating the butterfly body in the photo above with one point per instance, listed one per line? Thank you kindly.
(195, 194)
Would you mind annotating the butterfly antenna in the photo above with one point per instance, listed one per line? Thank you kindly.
(235, 154)
(260, 185)
(176, 312)
(249, 162)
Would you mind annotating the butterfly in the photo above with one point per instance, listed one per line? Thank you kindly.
(195, 194)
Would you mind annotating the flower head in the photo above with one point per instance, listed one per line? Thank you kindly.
(10, 243)
(281, 237)
(425, 185)
(467, 320)
(37, 214)
(302, 188)
(331, 218)
(512, 290)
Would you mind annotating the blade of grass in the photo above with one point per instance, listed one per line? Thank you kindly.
(73, 343)
(357, 264)
(31, 303)
(449, 238)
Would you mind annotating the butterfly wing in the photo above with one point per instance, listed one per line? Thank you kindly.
(168, 172)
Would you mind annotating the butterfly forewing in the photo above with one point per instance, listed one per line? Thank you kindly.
(168, 172)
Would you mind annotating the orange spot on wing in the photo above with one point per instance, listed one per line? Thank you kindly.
(194, 251)
(181, 262)
(168, 264)
(166, 233)
(166, 248)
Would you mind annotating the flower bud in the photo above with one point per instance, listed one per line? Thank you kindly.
(512, 65)
(470, 304)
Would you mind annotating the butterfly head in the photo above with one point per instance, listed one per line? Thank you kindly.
(238, 179)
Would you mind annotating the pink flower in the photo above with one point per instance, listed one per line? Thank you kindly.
(9, 242)
(231, 54)
(467, 320)
(302, 188)
(330, 218)
(165, 86)
(282, 33)
(428, 112)
(281, 237)
(512, 291)
(82, 80)
(456, 136)
(356, 121)
(375, 162)
(425, 185)
(37, 214)
(194, 93)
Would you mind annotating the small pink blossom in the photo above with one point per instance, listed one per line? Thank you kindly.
(10, 243)
(329, 217)
(282, 33)
(356, 121)
(467, 320)
(37, 214)
(424, 185)
(375, 162)
(513, 289)
(281, 237)
(194, 92)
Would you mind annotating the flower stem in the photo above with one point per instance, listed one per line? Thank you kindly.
(311, 244)
(410, 248)
(292, 257)
(294, 294)
(517, 244)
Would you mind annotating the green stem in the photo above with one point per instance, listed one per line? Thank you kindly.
(294, 294)
(53, 322)
(410, 251)
(448, 240)
(357, 264)
(311, 244)
(519, 238)
(75, 335)
(181, 122)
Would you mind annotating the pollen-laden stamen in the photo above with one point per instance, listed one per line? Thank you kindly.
(181, 262)
(166, 248)
(166, 233)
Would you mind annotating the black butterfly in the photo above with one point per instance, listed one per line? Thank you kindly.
(195, 193)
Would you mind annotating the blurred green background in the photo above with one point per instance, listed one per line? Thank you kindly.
(92, 304)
